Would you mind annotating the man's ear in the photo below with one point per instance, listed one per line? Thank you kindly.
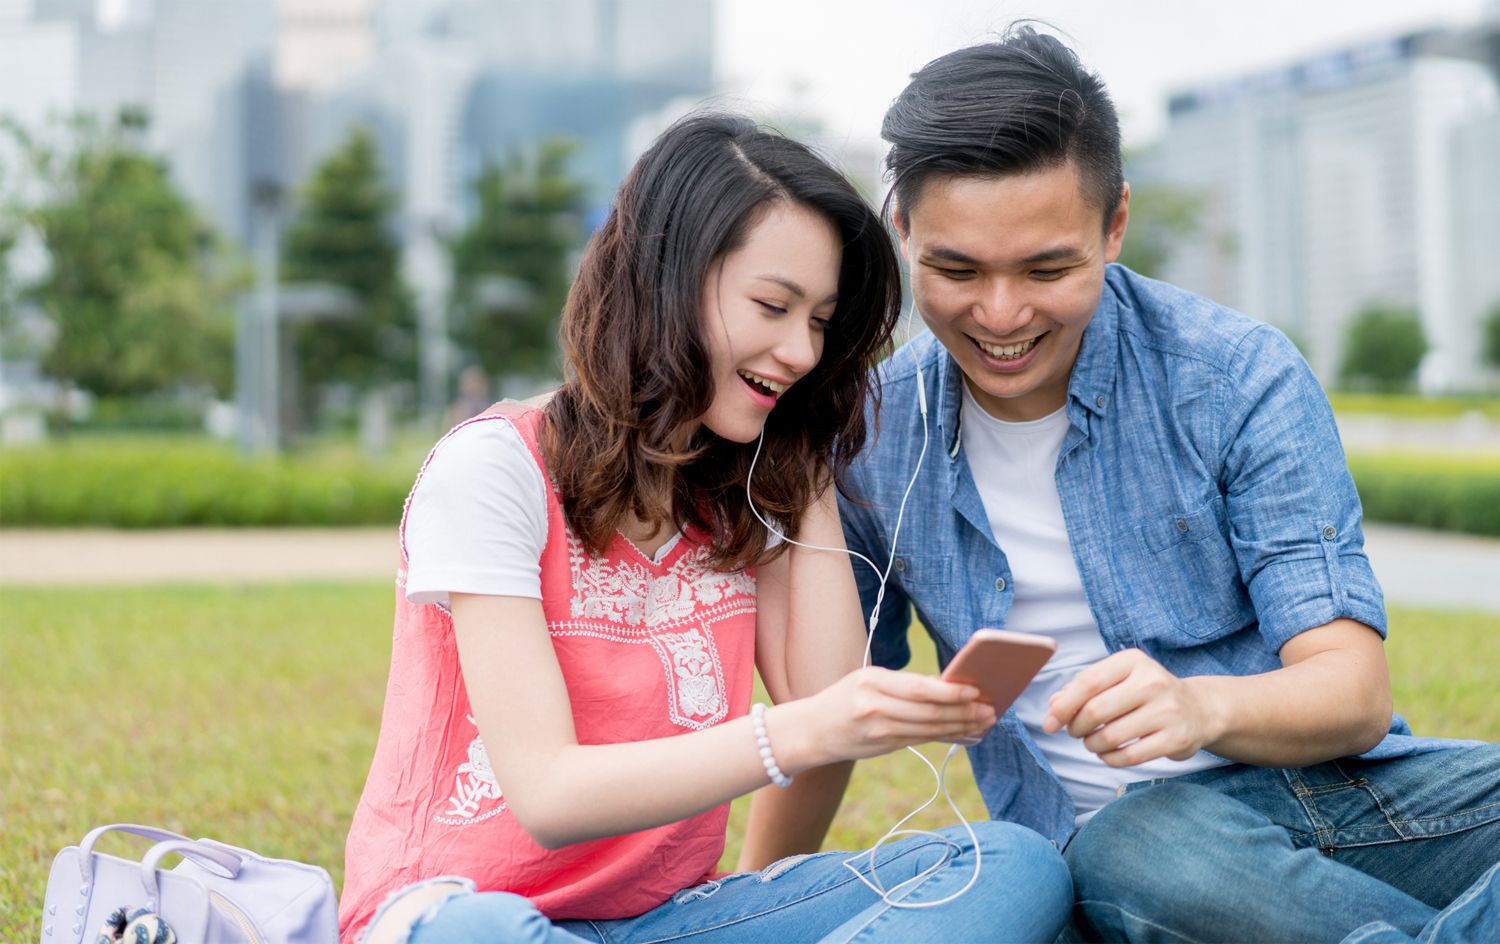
(898, 221)
(1114, 233)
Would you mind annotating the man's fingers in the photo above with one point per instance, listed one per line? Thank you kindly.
(1067, 701)
(1122, 730)
(1139, 751)
(1108, 706)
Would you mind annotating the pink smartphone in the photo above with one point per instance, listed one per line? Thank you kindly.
(1000, 663)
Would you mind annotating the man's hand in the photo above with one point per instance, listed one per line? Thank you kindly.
(1128, 710)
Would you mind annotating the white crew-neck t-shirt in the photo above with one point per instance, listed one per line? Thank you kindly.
(1014, 466)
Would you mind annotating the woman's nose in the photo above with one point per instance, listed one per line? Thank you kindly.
(799, 348)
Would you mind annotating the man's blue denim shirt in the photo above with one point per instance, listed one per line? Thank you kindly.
(1210, 509)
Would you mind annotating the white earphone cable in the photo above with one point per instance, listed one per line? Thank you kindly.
(872, 879)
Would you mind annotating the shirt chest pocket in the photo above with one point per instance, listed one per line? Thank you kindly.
(927, 581)
(1194, 580)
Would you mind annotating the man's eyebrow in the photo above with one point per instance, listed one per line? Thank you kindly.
(949, 255)
(1054, 254)
(796, 289)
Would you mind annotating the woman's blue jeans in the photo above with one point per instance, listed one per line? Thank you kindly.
(1357, 851)
(1023, 894)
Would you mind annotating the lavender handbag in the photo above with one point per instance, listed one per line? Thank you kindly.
(218, 894)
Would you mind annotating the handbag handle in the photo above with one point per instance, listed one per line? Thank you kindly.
(86, 847)
(218, 861)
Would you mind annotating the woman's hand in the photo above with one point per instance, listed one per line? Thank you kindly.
(873, 711)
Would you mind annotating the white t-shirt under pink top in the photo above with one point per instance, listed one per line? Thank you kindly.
(1014, 468)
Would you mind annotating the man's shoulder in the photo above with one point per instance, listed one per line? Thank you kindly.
(1176, 323)
(895, 427)
(912, 363)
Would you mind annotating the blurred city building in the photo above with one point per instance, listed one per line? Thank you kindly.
(248, 91)
(1370, 175)
(245, 97)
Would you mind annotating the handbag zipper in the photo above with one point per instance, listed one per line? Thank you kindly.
(240, 919)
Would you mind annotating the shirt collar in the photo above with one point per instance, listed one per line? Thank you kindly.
(1093, 377)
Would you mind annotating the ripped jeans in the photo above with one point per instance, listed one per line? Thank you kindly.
(1024, 894)
(1398, 850)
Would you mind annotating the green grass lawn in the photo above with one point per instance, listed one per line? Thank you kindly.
(249, 715)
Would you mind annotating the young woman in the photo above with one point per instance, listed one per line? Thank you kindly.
(585, 594)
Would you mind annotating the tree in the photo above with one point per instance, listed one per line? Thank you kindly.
(1161, 216)
(1489, 330)
(342, 234)
(527, 224)
(139, 287)
(1383, 347)
(10, 229)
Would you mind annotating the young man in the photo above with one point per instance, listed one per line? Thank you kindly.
(1156, 482)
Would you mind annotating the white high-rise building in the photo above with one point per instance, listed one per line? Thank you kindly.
(1366, 176)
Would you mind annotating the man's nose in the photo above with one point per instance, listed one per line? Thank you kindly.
(1002, 308)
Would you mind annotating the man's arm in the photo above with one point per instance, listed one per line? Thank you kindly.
(1294, 524)
(1331, 698)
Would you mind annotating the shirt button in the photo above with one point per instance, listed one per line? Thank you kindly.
(999, 583)
(1329, 533)
(1099, 402)
(1182, 525)
(900, 565)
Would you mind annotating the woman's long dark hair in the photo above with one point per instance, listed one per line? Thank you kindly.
(637, 360)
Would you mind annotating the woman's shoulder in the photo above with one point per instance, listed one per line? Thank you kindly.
(491, 451)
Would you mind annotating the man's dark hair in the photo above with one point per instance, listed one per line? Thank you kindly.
(1016, 106)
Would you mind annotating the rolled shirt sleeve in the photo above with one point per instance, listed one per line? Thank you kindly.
(1293, 508)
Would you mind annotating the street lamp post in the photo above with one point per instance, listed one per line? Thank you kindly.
(256, 352)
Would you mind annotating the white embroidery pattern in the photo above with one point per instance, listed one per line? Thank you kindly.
(628, 595)
(626, 592)
(698, 678)
(473, 784)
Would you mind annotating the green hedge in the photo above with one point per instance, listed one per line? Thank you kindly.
(163, 482)
(1459, 492)
(1411, 406)
(137, 482)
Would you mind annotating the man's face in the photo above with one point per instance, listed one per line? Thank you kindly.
(1007, 272)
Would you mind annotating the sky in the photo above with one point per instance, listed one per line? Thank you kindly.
(845, 61)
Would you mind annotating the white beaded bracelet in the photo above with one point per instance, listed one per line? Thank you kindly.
(758, 723)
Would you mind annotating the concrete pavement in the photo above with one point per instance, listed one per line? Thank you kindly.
(1416, 567)
(195, 555)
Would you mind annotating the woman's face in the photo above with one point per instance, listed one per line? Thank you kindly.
(765, 308)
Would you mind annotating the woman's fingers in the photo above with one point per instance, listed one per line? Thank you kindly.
(913, 686)
(884, 710)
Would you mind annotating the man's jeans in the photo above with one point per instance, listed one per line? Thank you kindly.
(1023, 894)
(1360, 851)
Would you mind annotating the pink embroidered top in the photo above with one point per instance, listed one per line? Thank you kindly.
(647, 649)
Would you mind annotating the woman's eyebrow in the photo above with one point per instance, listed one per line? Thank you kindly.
(796, 289)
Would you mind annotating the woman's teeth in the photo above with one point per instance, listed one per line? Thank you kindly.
(769, 387)
(1008, 351)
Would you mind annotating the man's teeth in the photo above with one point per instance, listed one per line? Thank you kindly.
(1007, 350)
(769, 386)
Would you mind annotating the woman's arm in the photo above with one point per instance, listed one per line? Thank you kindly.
(809, 633)
(562, 792)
